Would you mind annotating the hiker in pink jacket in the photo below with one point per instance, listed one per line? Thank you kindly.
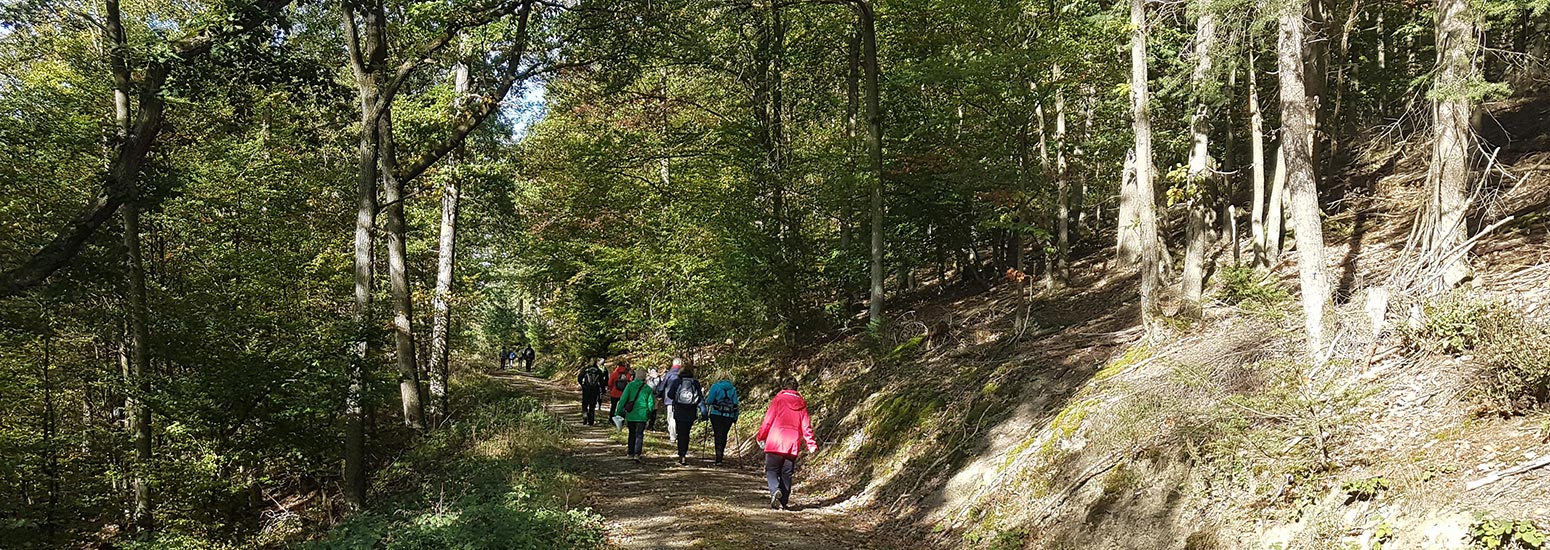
(786, 427)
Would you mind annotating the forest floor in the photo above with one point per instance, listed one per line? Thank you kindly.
(660, 504)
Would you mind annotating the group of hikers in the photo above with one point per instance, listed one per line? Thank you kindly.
(510, 357)
(636, 399)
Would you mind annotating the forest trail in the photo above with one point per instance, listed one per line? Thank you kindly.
(660, 504)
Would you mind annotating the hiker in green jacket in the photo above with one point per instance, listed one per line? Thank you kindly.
(635, 405)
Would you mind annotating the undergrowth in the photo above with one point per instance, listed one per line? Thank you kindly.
(1252, 291)
(489, 481)
(1510, 354)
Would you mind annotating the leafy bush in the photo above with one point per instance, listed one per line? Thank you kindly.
(1453, 324)
(1512, 365)
(1501, 534)
(489, 481)
(1244, 286)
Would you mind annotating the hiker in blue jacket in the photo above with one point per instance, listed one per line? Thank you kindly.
(723, 405)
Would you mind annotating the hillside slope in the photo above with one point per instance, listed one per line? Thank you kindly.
(1047, 419)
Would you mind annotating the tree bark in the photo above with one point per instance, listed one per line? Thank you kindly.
(441, 314)
(1275, 212)
(366, 60)
(1297, 148)
(1141, 124)
(1128, 246)
(139, 375)
(1457, 41)
(868, 28)
(1062, 189)
(1257, 220)
(1197, 232)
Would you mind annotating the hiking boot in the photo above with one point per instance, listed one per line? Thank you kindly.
(775, 502)
(683, 461)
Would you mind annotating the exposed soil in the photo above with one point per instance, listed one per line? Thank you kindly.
(660, 504)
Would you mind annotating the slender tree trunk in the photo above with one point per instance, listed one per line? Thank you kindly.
(139, 373)
(1275, 213)
(1297, 120)
(1145, 203)
(1197, 232)
(441, 315)
(868, 29)
(1257, 232)
(1062, 190)
(1457, 41)
(398, 278)
(1128, 247)
(366, 59)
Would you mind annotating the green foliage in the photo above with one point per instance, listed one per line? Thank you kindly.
(1453, 324)
(490, 482)
(1364, 489)
(1501, 534)
(1246, 287)
(1511, 355)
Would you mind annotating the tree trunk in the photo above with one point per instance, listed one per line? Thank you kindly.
(1197, 233)
(441, 311)
(139, 374)
(1145, 204)
(1297, 149)
(366, 60)
(1128, 247)
(398, 279)
(868, 28)
(1457, 40)
(1257, 232)
(1058, 270)
(1275, 213)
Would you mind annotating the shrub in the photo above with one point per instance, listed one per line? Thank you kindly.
(1494, 534)
(1244, 286)
(1453, 324)
(1511, 354)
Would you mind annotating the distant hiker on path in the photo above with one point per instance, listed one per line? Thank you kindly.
(688, 404)
(667, 399)
(505, 357)
(617, 380)
(527, 357)
(723, 404)
(635, 406)
(591, 379)
(654, 381)
(785, 428)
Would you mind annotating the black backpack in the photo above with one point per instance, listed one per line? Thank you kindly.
(726, 405)
(621, 381)
(592, 378)
(688, 392)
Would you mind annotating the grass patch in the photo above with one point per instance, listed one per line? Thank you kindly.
(490, 481)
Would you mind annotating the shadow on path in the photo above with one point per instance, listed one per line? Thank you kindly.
(659, 504)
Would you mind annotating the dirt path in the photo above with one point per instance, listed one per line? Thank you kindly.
(660, 504)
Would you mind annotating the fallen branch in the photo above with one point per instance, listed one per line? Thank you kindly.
(1515, 470)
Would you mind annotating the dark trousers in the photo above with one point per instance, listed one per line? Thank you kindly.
(589, 405)
(651, 420)
(719, 426)
(637, 438)
(613, 406)
(777, 472)
(683, 420)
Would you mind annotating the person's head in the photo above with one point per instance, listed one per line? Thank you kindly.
(788, 383)
(678, 362)
(634, 373)
(687, 372)
(601, 362)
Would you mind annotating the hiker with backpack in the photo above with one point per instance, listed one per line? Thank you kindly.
(527, 357)
(617, 381)
(635, 404)
(785, 429)
(667, 399)
(722, 407)
(654, 381)
(688, 404)
(591, 379)
(505, 357)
